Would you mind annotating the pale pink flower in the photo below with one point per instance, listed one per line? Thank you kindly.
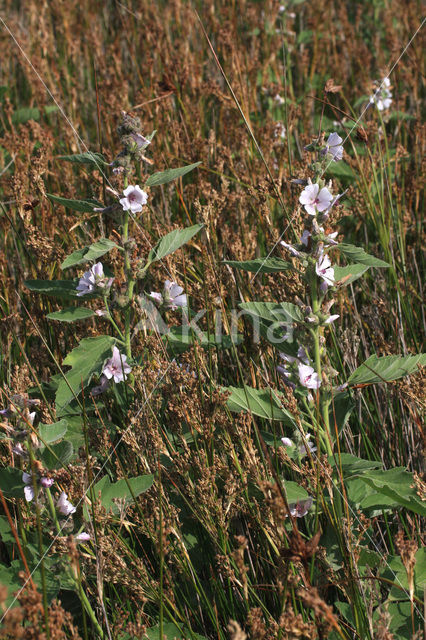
(134, 199)
(19, 450)
(117, 367)
(171, 296)
(29, 488)
(305, 237)
(331, 319)
(302, 449)
(325, 270)
(308, 377)
(311, 446)
(93, 280)
(82, 537)
(64, 506)
(290, 248)
(300, 508)
(334, 147)
(382, 97)
(315, 200)
(140, 140)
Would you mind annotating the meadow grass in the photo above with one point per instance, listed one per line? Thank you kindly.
(179, 474)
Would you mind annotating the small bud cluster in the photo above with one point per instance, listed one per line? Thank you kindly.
(133, 144)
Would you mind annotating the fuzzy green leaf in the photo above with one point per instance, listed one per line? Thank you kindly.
(86, 360)
(294, 492)
(64, 289)
(359, 256)
(120, 490)
(264, 403)
(57, 455)
(172, 241)
(171, 632)
(340, 170)
(351, 272)
(52, 432)
(89, 253)
(84, 206)
(386, 368)
(260, 265)
(284, 312)
(162, 177)
(11, 482)
(71, 314)
(20, 116)
(396, 485)
(88, 157)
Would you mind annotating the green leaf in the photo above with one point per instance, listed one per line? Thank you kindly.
(294, 492)
(284, 312)
(396, 484)
(57, 455)
(11, 482)
(86, 360)
(89, 253)
(386, 368)
(341, 170)
(181, 338)
(172, 241)
(264, 403)
(162, 177)
(89, 157)
(358, 255)
(84, 206)
(260, 265)
(120, 490)
(50, 108)
(171, 632)
(64, 289)
(71, 314)
(349, 274)
(52, 432)
(20, 116)
(351, 465)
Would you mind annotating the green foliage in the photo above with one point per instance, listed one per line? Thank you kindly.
(52, 432)
(120, 494)
(20, 116)
(64, 289)
(172, 632)
(264, 403)
(273, 312)
(350, 273)
(386, 368)
(396, 486)
(294, 492)
(260, 265)
(86, 360)
(172, 241)
(11, 482)
(358, 255)
(162, 177)
(83, 206)
(91, 253)
(89, 157)
(71, 314)
(57, 455)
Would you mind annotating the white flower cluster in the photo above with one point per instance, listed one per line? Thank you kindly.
(382, 97)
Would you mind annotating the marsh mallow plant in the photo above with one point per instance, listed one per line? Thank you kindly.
(313, 483)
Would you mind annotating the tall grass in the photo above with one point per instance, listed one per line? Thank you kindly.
(209, 550)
